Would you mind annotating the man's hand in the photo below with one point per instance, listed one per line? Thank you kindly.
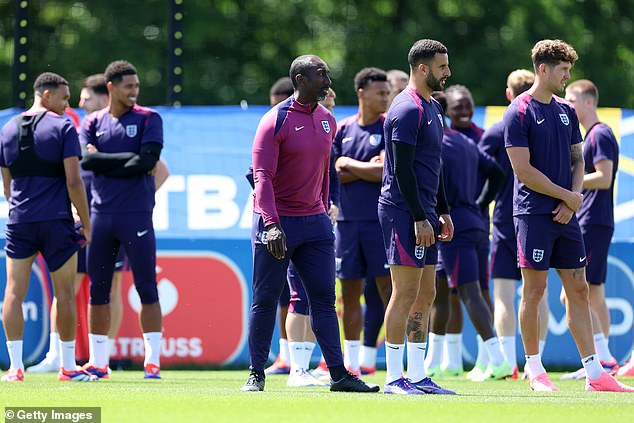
(424, 233)
(276, 241)
(573, 201)
(91, 148)
(333, 213)
(87, 236)
(446, 228)
(562, 213)
(376, 159)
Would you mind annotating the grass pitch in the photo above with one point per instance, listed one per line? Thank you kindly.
(214, 396)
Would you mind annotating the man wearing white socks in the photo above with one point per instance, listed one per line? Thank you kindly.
(504, 270)
(39, 157)
(123, 143)
(408, 217)
(596, 215)
(546, 196)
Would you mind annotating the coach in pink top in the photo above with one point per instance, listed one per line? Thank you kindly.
(291, 161)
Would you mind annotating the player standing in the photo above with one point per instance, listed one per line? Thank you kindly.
(290, 220)
(39, 156)
(124, 141)
(407, 213)
(596, 215)
(357, 150)
(543, 142)
(504, 270)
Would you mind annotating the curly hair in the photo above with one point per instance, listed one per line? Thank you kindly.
(551, 52)
(118, 69)
(367, 75)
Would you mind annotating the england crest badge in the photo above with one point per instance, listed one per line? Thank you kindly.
(326, 125)
(538, 255)
(564, 118)
(130, 131)
(375, 139)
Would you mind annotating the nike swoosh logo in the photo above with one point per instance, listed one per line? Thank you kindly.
(539, 122)
(100, 133)
(24, 148)
(582, 259)
(421, 348)
(394, 348)
(346, 139)
(298, 128)
(141, 233)
(429, 123)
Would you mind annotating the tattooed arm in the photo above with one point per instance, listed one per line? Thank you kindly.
(577, 163)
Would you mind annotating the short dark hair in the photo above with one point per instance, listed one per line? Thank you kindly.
(441, 98)
(96, 83)
(452, 90)
(367, 75)
(118, 69)
(48, 81)
(551, 52)
(586, 88)
(424, 51)
(283, 86)
(300, 66)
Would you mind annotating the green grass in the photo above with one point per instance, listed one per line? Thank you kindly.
(214, 396)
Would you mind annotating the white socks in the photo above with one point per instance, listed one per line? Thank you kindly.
(300, 353)
(603, 350)
(493, 351)
(367, 357)
(483, 357)
(394, 361)
(284, 353)
(436, 344)
(53, 346)
(416, 360)
(152, 342)
(309, 347)
(295, 352)
(507, 345)
(351, 354)
(99, 347)
(67, 350)
(535, 366)
(593, 366)
(15, 354)
(452, 352)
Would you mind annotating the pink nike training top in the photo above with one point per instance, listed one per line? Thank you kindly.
(291, 161)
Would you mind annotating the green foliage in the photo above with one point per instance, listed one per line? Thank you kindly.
(235, 49)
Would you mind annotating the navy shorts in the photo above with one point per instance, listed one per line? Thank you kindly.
(460, 257)
(504, 252)
(482, 252)
(359, 251)
(597, 241)
(133, 233)
(400, 241)
(543, 243)
(57, 240)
